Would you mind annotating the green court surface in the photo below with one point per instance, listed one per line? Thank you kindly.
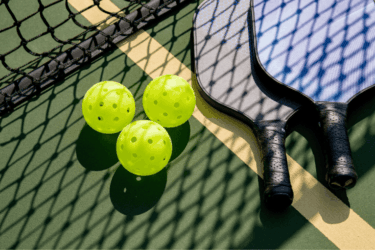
(62, 186)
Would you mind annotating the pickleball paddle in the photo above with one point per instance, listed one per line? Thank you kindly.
(227, 81)
(326, 51)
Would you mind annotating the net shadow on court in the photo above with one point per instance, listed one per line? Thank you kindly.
(209, 199)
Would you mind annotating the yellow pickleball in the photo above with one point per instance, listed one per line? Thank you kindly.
(144, 147)
(108, 107)
(169, 100)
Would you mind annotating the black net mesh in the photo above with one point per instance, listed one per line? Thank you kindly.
(35, 58)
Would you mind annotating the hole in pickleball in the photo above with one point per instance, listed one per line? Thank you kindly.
(150, 141)
(155, 102)
(128, 95)
(135, 155)
(187, 98)
(90, 107)
(116, 119)
(128, 110)
(100, 118)
(165, 114)
(176, 105)
(178, 117)
(101, 104)
(151, 158)
(164, 142)
(138, 178)
(105, 90)
(118, 92)
(165, 93)
(122, 147)
(114, 105)
(147, 95)
(164, 159)
(134, 139)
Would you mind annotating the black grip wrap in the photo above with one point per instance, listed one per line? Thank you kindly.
(340, 168)
(278, 190)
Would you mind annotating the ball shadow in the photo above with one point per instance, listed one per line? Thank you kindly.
(180, 138)
(133, 195)
(96, 151)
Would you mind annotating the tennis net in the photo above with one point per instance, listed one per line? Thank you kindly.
(35, 69)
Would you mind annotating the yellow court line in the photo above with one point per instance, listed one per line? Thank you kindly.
(339, 223)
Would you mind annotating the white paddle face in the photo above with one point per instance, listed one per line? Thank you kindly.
(324, 49)
(223, 64)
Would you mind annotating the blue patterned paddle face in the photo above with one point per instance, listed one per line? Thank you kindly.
(227, 81)
(324, 49)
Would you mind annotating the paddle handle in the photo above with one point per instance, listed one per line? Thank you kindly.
(278, 191)
(339, 164)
